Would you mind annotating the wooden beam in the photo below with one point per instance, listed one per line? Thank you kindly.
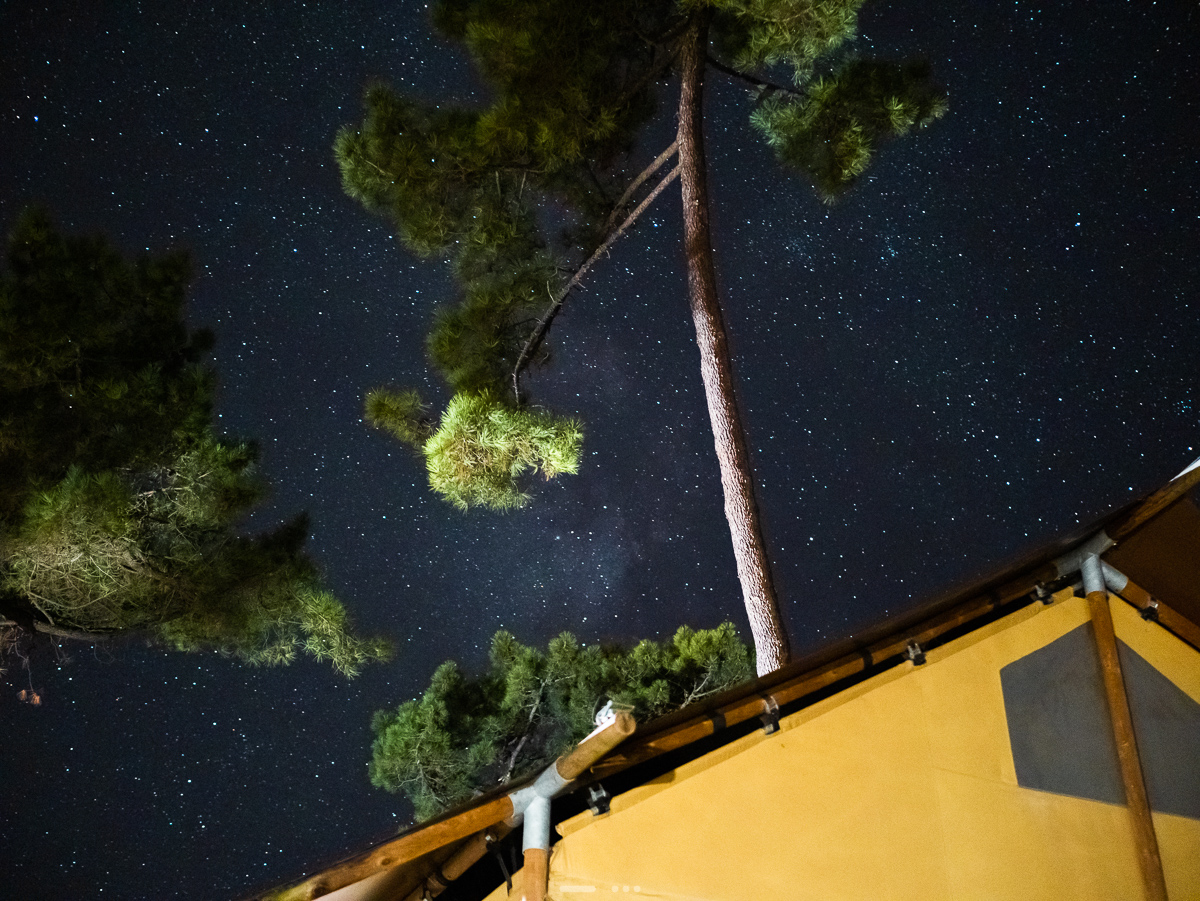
(576, 762)
(1145, 840)
(792, 688)
(458, 863)
(1154, 504)
(1169, 618)
(399, 851)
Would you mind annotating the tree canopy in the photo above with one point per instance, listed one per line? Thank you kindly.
(468, 734)
(523, 194)
(119, 504)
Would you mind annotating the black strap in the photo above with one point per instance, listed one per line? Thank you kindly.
(495, 846)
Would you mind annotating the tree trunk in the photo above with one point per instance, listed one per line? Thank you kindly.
(741, 510)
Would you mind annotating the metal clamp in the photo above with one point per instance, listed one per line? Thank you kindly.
(1150, 611)
(914, 653)
(770, 715)
(598, 799)
(494, 846)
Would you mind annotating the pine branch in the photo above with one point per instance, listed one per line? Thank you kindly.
(637, 183)
(535, 339)
(764, 87)
(69, 633)
(512, 761)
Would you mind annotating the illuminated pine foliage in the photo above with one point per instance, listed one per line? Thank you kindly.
(120, 504)
(465, 735)
(753, 34)
(483, 447)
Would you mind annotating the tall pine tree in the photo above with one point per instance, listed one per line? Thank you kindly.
(572, 82)
(119, 506)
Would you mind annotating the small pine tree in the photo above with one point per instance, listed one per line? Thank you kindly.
(465, 735)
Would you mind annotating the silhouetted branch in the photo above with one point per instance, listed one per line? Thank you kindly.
(544, 323)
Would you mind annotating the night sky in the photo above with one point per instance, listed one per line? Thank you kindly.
(989, 342)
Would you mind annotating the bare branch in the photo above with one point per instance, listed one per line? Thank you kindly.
(637, 183)
(69, 633)
(765, 87)
(544, 323)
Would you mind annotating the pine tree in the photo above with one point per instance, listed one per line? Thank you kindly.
(119, 504)
(465, 735)
(572, 82)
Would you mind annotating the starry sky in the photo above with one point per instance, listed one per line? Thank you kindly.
(991, 341)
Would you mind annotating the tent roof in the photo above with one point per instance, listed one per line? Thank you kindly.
(1155, 538)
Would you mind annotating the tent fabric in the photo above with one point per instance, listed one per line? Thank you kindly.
(903, 786)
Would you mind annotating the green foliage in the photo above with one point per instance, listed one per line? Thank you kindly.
(484, 446)
(474, 345)
(120, 504)
(465, 735)
(569, 84)
(97, 368)
(833, 133)
(549, 63)
(400, 412)
(757, 33)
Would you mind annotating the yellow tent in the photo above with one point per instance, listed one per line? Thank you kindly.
(1035, 736)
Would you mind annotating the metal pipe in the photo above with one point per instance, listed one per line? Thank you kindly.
(537, 825)
(1114, 579)
(1093, 576)
(531, 804)
(535, 845)
(1072, 561)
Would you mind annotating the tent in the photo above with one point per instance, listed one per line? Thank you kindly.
(1035, 735)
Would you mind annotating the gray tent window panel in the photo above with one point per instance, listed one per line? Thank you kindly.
(1167, 725)
(1058, 722)
(1061, 733)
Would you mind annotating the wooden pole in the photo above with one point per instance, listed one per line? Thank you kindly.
(1154, 504)
(1164, 615)
(398, 851)
(1145, 840)
(535, 877)
(458, 863)
(578, 760)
